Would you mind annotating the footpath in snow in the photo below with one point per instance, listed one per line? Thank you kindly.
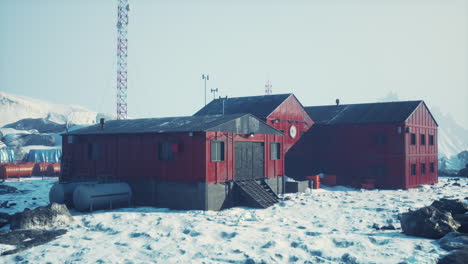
(330, 225)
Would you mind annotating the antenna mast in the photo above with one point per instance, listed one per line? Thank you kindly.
(268, 89)
(122, 47)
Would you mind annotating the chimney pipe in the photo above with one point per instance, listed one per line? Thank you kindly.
(102, 121)
(337, 101)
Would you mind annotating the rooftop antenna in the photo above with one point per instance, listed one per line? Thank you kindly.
(224, 99)
(205, 77)
(122, 48)
(214, 91)
(268, 89)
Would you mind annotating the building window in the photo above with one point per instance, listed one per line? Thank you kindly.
(71, 139)
(431, 140)
(413, 169)
(379, 171)
(380, 139)
(432, 167)
(423, 139)
(94, 151)
(413, 139)
(275, 153)
(166, 150)
(217, 151)
(423, 168)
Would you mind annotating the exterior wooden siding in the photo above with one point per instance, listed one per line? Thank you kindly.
(350, 151)
(225, 171)
(420, 123)
(289, 113)
(136, 157)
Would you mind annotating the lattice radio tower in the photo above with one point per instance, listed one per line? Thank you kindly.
(268, 89)
(122, 48)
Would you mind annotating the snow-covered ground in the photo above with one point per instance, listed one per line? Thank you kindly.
(331, 225)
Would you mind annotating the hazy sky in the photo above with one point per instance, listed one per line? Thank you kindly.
(355, 50)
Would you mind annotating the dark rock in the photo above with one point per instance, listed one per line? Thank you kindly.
(24, 239)
(462, 219)
(376, 226)
(388, 227)
(452, 206)
(4, 189)
(454, 241)
(463, 172)
(4, 219)
(348, 259)
(456, 184)
(455, 257)
(42, 217)
(428, 222)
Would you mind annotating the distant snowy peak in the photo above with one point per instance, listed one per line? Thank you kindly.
(14, 108)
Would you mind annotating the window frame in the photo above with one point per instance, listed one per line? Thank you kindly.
(413, 169)
(381, 139)
(423, 168)
(94, 151)
(275, 150)
(413, 139)
(422, 139)
(431, 167)
(431, 140)
(213, 147)
(165, 152)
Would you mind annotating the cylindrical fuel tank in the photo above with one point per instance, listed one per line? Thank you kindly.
(40, 169)
(16, 170)
(53, 169)
(91, 197)
(62, 193)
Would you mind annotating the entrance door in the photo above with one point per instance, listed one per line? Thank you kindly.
(249, 160)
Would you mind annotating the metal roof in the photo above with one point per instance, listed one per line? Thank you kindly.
(388, 112)
(240, 123)
(261, 106)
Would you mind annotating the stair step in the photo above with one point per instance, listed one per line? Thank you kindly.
(260, 194)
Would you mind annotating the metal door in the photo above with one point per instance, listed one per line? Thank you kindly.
(249, 159)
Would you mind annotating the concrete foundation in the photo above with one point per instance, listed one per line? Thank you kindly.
(192, 195)
(295, 187)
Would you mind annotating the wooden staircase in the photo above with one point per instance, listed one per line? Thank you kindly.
(257, 195)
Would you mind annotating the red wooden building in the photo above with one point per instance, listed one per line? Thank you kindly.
(392, 145)
(281, 111)
(195, 162)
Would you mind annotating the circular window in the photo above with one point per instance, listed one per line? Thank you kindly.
(292, 131)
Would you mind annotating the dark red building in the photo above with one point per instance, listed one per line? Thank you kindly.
(195, 162)
(392, 145)
(281, 111)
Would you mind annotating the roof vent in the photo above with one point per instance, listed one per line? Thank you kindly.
(102, 121)
(337, 101)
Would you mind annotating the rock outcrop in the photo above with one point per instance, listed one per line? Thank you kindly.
(454, 241)
(428, 222)
(43, 217)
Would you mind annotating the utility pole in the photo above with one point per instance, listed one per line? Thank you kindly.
(205, 77)
(214, 91)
